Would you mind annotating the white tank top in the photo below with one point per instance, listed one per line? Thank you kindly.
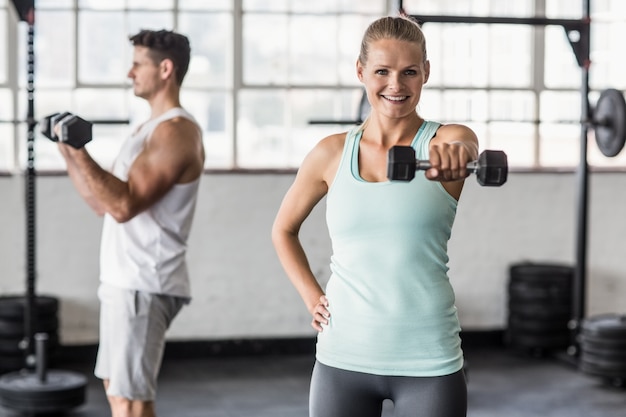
(147, 253)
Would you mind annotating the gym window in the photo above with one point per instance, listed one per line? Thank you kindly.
(264, 71)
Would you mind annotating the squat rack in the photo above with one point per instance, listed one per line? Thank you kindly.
(578, 35)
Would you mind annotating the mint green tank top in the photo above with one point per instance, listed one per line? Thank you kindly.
(391, 303)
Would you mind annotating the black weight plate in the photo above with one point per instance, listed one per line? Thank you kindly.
(540, 311)
(539, 340)
(11, 362)
(13, 306)
(592, 368)
(536, 325)
(493, 168)
(609, 326)
(539, 293)
(609, 122)
(545, 274)
(602, 342)
(11, 345)
(26, 387)
(10, 328)
(612, 354)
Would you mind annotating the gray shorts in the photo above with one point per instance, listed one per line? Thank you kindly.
(132, 339)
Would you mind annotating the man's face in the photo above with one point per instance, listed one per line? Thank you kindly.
(145, 73)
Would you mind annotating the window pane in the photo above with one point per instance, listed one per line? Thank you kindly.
(313, 50)
(102, 59)
(305, 105)
(209, 109)
(517, 140)
(331, 105)
(308, 6)
(265, 5)
(560, 107)
(376, 7)
(211, 50)
(3, 47)
(510, 56)
(564, 9)
(147, 20)
(464, 56)
(607, 65)
(512, 105)
(101, 5)
(464, 105)
(150, 4)
(109, 104)
(263, 56)
(54, 46)
(559, 145)
(106, 143)
(205, 5)
(7, 130)
(262, 129)
(6, 146)
(348, 40)
(53, 4)
(49, 101)
(561, 69)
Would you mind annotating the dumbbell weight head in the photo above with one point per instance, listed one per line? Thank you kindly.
(492, 168)
(49, 122)
(401, 163)
(75, 131)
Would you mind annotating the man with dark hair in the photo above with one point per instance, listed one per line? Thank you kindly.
(148, 202)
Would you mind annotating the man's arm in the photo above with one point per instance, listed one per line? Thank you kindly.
(173, 154)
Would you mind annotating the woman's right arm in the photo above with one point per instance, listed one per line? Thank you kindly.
(309, 187)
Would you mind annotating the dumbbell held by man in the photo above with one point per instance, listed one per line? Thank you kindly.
(74, 130)
(491, 168)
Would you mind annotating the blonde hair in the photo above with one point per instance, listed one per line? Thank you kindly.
(401, 28)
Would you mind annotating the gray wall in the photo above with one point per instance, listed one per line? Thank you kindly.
(239, 289)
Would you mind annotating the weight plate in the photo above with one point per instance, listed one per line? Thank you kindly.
(609, 122)
(10, 328)
(13, 306)
(551, 293)
(539, 310)
(609, 326)
(542, 274)
(62, 390)
(517, 322)
(557, 340)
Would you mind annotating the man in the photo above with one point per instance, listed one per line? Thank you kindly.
(148, 202)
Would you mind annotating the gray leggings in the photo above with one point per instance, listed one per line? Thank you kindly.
(340, 393)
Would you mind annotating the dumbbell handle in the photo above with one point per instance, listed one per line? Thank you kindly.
(423, 165)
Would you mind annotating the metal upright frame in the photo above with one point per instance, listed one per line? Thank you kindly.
(578, 35)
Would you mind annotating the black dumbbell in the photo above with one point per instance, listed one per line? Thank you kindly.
(75, 131)
(491, 168)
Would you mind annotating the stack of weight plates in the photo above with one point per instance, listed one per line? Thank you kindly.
(602, 342)
(540, 304)
(12, 328)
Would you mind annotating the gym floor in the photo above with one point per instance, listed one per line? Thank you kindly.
(501, 383)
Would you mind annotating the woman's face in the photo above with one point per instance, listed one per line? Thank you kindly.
(394, 76)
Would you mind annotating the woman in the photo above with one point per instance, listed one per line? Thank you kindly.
(387, 324)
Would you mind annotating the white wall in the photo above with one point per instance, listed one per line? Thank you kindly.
(239, 288)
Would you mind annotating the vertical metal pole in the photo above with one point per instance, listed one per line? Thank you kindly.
(30, 313)
(579, 285)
